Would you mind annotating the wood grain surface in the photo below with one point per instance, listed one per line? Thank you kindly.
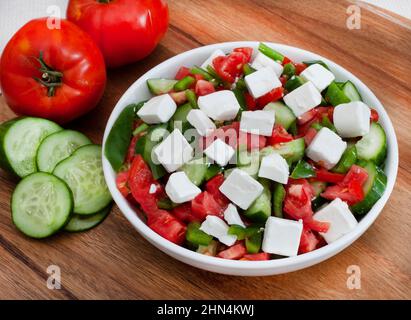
(114, 262)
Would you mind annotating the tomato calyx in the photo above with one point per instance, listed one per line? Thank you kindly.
(50, 78)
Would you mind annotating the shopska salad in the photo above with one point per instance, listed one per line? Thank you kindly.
(250, 159)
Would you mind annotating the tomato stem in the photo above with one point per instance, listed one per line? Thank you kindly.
(50, 78)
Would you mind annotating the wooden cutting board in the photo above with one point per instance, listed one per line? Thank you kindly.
(114, 262)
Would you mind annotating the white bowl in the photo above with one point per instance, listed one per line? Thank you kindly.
(167, 69)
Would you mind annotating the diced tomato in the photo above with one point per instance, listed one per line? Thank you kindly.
(308, 241)
(247, 51)
(204, 87)
(279, 135)
(167, 226)
(178, 97)
(273, 95)
(314, 115)
(184, 213)
(350, 189)
(234, 252)
(327, 176)
(297, 202)
(253, 141)
(182, 73)
(286, 60)
(198, 77)
(205, 204)
(374, 115)
(315, 225)
(283, 80)
(121, 181)
(131, 149)
(307, 116)
(256, 256)
(250, 102)
(309, 136)
(213, 187)
(299, 67)
(231, 66)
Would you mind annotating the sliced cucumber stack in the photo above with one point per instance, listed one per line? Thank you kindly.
(79, 223)
(19, 141)
(373, 146)
(41, 205)
(83, 173)
(58, 146)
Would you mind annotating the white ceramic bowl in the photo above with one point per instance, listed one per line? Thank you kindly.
(167, 69)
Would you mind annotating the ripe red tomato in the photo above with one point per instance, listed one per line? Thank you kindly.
(234, 252)
(203, 88)
(58, 74)
(125, 30)
(279, 135)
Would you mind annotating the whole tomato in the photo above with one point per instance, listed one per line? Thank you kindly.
(58, 74)
(125, 30)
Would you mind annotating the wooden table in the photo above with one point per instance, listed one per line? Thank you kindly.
(114, 262)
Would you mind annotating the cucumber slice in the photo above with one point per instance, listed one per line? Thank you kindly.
(260, 210)
(79, 223)
(249, 162)
(19, 141)
(212, 171)
(83, 173)
(41, 205)
(318, 187)
(196, 170)
(160, 86)
(278, 199)
(373, 188)
(283, 114)
(179, 119)
(373, 146)
(350, 90)
(348, 158)
(292, 151)
(58, 146)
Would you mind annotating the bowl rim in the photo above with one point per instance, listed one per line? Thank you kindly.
(259, 267)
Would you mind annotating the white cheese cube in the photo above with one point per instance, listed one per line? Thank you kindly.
(341, 220)
(241, 188)
(259, 122)
(232, 216)
(216, 227)
(318, 75)
(180, 189)
(282, 236)
(303, 99)
(352, 119)
(261, 61)
(274, 167)
(262, 81)
(209, 61)
(326, 148)
(199, 120)
(221, 105)
(220, 152)
(173, 151)
(159, 109)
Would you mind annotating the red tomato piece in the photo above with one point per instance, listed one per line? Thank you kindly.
(131, 149)
(213, 185)
(247, 51)
(283, 80)
(205, 204)
(374, 115)
(182, 73)
(309, 136)
(327, 176)
(231, 66)
(250, 102)
(308, 241)
(256, 256)
(167, 226)
(204, 87)
(279, 135)
(315, 225)
(234, 252)
(299, 67)
(179, 97)
(356, 174)
(297, 202)
(121, 182)
(184, 213)
(286, 60)
(273, 95)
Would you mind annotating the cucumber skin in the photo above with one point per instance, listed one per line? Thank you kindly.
(374, 193)
(68, 216)
(283, 114)
(4, 162)
(381, 155)
(348, 158)
(278, 199)
(107, 211)
(167, 86)
(259, 212)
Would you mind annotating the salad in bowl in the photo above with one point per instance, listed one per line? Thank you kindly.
(249, 155)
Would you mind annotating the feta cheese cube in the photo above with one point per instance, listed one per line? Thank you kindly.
(159, 109)
(262, 81)
(199, 120)
(326, 148)
(180, 189)
(232, 217)
(352, 119)
(341, 220)
(282, 236)
(274, 167)
(216, 227)
(261, 61)
(221, 105)
(219, 152)
(173, 151)
(259, 122)
(318, 75)
(241, 188)
(303, 99)
(209, 61)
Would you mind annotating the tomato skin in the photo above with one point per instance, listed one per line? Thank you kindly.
(297, 202)
(234, 252)
(213, 187)
(184, 213)
(299, 67)
(125, 30)
(256, 256)
(374, 115)
(167, 226)
(273, 95)
(309, 136)
(308, 241)
(205, 204)
(247, 51)
(250, 102)
(231, 66)
(121, 182)
(68, 50)
(279, 135)
(182, 73)
(327, 176)
(203, 88)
